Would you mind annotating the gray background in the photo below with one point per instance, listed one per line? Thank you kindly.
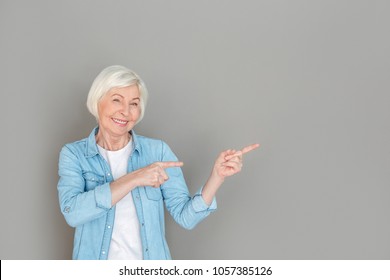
(307, 79)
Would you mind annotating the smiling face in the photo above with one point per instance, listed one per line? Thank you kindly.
(119, 111)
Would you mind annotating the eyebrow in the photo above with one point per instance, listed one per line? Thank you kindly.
(135, 98)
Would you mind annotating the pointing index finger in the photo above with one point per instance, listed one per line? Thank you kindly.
(168, 164)
(249, 148)
(245, 150)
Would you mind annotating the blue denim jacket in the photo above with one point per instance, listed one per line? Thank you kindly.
(85, 198)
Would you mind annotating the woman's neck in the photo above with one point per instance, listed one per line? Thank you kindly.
(110, 142)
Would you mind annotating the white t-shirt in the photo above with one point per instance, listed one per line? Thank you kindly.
(126, 238)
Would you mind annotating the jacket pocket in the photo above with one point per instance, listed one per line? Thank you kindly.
(153, 193)
(92, 180)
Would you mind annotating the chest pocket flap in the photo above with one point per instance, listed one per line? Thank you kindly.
(92, 180)
(153, 193)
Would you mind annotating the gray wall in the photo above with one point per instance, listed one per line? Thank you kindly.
(307, 79)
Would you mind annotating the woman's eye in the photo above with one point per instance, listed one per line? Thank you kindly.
(115, 100)
(134, 104)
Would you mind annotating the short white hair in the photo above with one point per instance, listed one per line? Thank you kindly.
(115, 76)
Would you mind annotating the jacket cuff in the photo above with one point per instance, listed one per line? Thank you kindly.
(200, 205)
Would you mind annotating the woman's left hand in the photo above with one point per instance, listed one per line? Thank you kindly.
(229, 162)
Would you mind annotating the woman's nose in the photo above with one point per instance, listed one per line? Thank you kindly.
(126, 110)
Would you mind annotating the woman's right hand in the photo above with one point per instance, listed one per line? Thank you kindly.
(153, 175)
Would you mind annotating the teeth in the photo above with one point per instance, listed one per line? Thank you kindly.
(119, 121)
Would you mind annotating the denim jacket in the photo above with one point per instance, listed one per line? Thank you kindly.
(85, 198)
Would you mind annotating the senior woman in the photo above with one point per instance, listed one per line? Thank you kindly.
(114, 183)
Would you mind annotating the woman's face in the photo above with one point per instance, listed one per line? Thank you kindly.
(119, 110)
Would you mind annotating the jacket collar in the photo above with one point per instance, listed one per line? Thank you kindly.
(91, 148)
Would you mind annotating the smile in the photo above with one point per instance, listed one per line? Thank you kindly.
(120, 122)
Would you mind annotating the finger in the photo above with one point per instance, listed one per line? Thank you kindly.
(235, 160)
(168, 164)
(234, 165)
(249, 148)
(161, 180)
(245, 150)
(237, 154)
(164, 175)
(237, 157)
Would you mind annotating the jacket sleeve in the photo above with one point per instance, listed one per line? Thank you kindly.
(187, 211)
(78, 205)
